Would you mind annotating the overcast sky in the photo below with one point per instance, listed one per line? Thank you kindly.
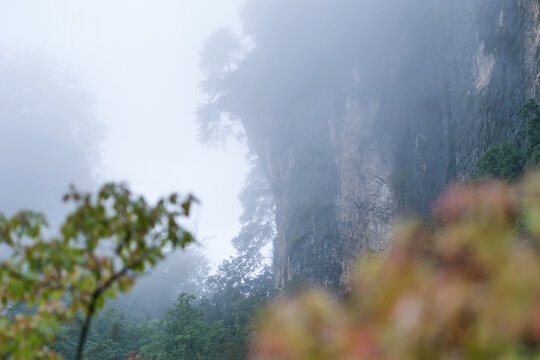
(138, 59)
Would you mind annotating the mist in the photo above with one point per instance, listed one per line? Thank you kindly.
(138, 67)
(49, 137)
(304, 129)
(107, 91)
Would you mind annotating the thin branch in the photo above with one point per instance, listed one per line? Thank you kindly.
(193, 352)
(95, 297)
(92, 306)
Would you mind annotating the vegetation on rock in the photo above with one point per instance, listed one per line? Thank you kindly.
(509, 160)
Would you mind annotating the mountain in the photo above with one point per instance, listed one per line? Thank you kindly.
(361, 110)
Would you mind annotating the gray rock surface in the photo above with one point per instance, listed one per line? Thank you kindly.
(366, 155)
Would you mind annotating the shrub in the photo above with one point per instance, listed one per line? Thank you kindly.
(507, 160)
(466, 286)
(502, 161)
(530, 111)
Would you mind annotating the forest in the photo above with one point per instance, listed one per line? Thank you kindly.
(388, 205)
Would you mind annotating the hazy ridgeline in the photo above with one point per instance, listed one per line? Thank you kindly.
(49, 139)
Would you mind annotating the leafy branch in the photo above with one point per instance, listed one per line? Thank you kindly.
(108, 239)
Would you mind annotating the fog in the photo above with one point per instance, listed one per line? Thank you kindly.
(125, 90)
(306, 129)
(127, 70)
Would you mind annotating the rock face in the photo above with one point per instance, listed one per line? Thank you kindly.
(369, 153)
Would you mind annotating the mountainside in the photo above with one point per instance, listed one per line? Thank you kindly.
(351, 133)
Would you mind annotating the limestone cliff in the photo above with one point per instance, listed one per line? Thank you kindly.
(376, 113)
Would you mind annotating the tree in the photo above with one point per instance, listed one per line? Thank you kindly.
(104, 242)
(219, 57)
(183, 334)
(244, 283)
(157, 289)
(508, 160)
(530, 111)
(258, 216)
(220, 52)
(233, 297)
(112, 336)
(502, 161)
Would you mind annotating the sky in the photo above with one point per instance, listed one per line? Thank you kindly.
(138, 61)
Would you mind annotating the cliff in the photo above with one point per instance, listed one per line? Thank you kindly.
(446, 100)
(362, 110)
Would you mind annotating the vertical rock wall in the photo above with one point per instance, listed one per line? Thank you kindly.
(367, 154)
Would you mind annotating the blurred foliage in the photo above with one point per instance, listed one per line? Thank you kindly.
(508, 160)
(104, 242)
(464, 286)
